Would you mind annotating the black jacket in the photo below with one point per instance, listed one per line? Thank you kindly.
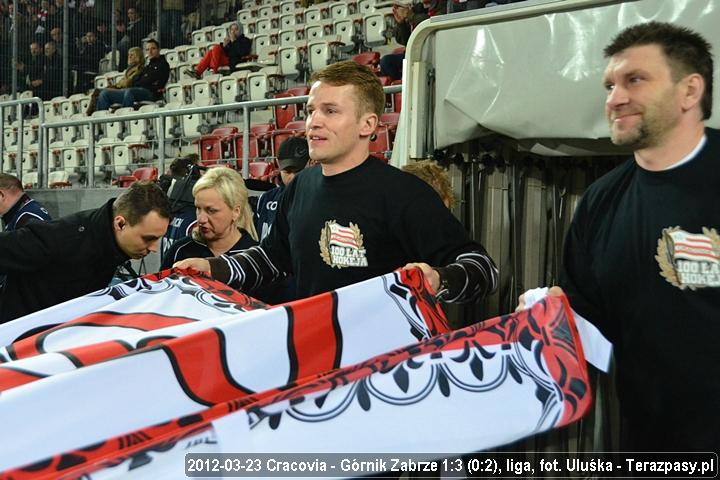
(154, 76)
(241, 47)
(47, 263)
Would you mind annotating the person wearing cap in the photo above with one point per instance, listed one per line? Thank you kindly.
(293, 156)
(226, 54)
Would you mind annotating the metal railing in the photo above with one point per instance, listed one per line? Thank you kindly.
(246, 107)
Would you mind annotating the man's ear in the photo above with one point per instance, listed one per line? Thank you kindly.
(694, 88)
(119, 223)
(369, 124)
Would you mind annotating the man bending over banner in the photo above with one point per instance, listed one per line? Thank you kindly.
(352, 217)
(47, 263)
(642, 256)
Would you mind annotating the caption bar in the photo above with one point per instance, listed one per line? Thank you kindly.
(482, 465)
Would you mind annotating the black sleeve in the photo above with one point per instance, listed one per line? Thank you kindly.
(29, 248)
(576, 277)
(434, 236)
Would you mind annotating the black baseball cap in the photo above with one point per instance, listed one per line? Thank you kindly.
(293, 153)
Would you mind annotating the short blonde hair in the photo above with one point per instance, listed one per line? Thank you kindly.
(369, 94)
(435, 176)
(231, 187)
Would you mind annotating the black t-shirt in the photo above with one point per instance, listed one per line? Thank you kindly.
(642, 262)
(333, 231)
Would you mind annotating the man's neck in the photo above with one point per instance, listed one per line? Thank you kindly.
(348, 163)
(675, 147)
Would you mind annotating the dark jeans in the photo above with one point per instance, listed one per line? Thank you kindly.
(126, 96)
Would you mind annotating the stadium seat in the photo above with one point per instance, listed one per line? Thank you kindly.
(262, 170)
(291, 59)
(142, 173)
(59, 179)
(217, 146)
(339, 9)
(380, 146)
(397, 97)
(312, 14)
(375, 29)
(262, 84)
(296, 128)
(369, 59)
(323, 52)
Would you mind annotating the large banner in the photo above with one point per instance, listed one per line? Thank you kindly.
(174, 364)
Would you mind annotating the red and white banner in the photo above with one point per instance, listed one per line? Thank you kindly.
(175, 364)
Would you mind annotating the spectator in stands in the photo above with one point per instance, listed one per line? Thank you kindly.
(33, 68)
(90, 52)
(136, 62)
(47, 263)
(640, 259)
(293, 156)
(146, 86)
(224, 219)
(184, 173)
(464, 5)
(103, 35)
(131, 34)
(354, 217)
(435, 176)
(172, 12)
(407, 17)
(51, 85)
(56, 35)
(228, 53)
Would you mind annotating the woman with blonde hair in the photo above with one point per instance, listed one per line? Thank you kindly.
(136, 62)
(224, 219)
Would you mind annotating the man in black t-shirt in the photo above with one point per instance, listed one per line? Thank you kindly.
(352, 217)
(642, 255)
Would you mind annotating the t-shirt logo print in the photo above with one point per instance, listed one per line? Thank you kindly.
(341, 246)
(689, 260)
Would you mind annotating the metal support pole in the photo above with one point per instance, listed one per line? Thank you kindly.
(158, 21)
(246, 144)
(2, 139)
(66, 49)
(43, 164)
(16, 8)
(20, 153)
(90, 161)
(161, 144)
(113, 39)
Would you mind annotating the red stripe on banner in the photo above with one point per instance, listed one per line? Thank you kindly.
(10, 378)
(199, 363)
(97, 352)
(34, 345)
(316, 342)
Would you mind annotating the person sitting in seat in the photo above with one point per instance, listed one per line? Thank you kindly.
(136, 63)
(148, 85)
(224, 219)
(228, 53)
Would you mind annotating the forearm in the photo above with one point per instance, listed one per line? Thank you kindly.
(247, 270)
(470, 277)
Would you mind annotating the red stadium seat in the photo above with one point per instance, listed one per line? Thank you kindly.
(369, 59)
(284, 113)
(292, 129)
(216, 146)
(380, 146)
(261, 170)
(142, 173)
